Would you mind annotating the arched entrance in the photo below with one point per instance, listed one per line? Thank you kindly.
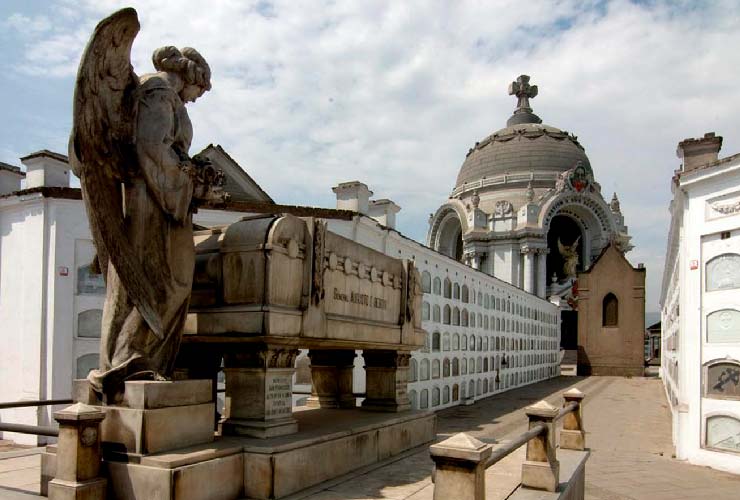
(449, 237)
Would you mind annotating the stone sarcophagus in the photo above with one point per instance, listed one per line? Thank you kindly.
(267, 286)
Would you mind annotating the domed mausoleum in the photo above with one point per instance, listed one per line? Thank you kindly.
(526, 207)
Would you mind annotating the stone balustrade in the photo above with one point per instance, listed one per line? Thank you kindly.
(461, 461)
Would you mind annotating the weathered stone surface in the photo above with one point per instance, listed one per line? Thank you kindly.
(92, 489)
(218, 479)
(142, 432)
(147, 394)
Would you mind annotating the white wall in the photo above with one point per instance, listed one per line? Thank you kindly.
(367, 232)
(695, 238)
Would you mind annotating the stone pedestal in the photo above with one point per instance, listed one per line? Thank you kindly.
(386, 376)
(259, 391)
(153, 416)
(78, 464)
(331, 378)
(541, 470)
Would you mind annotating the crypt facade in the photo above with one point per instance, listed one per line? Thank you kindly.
(526, 207)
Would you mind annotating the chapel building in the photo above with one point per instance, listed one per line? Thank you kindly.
(527, 209)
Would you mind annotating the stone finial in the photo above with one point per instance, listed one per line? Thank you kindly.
(614, 204)
(573, 394)
(542, 409)
(460, 467)
(530, 192)
(524, 92)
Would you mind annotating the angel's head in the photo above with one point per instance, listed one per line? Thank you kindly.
(189, 66)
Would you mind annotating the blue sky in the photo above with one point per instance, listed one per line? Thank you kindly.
(394, 93)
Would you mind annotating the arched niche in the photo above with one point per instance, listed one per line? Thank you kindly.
(722, 379)
(86, 363)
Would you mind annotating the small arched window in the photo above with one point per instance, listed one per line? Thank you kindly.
(425, 311)
(426, 282)
(610, 310)
(437, 286)
(435, 342)
(448, 289)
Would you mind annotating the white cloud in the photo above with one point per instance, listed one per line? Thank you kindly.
(394, 93)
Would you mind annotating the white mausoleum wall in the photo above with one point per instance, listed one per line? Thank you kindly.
(473, 320)
(700, 317)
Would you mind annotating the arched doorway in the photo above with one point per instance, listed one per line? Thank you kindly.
(449, 237)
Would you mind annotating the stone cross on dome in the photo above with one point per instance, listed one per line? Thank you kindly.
(524, 92)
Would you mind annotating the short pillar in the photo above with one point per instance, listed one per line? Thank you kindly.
(386, 380)
(573, 435)
(259, 391)
(78, 455)
(541, 469)
(460, 468)
(331, 378)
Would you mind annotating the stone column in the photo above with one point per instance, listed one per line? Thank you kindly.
(460, 468)
(542, 272)
(528, 269)
(541, 469)
(386, 380)
(573, 436)
(78, 454)
(331, 378)
(259, 391)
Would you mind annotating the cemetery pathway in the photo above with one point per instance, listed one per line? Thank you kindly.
(628, 431)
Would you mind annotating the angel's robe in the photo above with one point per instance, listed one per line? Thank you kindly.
(158, 223)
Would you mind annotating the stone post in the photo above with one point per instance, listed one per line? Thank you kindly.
(541, 469)
(460, 468)
(78, 455)
(331, 378)
(386, 380)
(573, 436)
(259, 391)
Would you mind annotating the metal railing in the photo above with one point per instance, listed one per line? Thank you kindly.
(461, 461)
(38, 430)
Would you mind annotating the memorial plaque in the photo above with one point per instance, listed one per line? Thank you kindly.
(278, 395)
(723, 326)
(723, 432)
(723, 381)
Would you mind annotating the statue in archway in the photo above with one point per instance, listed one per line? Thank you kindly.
(129, 147)
(569, 253)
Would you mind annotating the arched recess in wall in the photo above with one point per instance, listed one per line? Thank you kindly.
(86, 363)
(449, 240)
(88, 323)
(723, 326)
(610, 310)
(723, 272)
(722, 379)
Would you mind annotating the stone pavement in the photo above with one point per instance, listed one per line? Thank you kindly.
(628, 430)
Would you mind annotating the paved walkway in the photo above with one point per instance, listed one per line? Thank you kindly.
(628, 426)
(629, 433)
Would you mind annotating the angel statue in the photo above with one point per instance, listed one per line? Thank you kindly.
(129, 147)
(570, 257)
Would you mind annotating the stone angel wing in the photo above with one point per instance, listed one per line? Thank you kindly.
(561, 248)
(102, 154)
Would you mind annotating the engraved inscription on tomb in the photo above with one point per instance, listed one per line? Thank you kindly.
(362, 299)
(278, 397)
